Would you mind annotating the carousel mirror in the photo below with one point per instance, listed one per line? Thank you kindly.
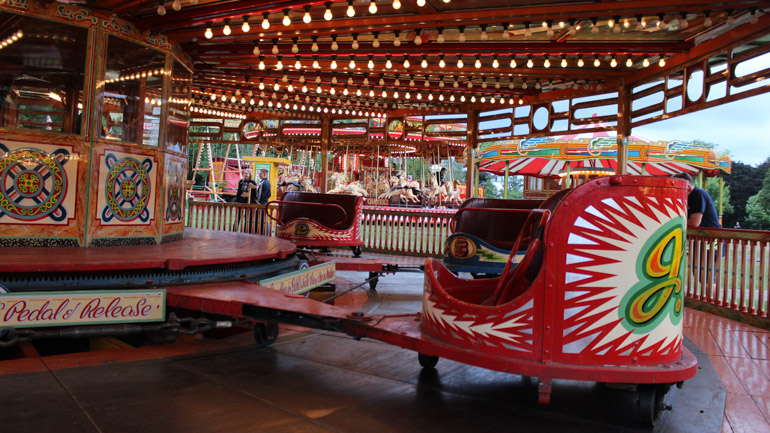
(251, 130)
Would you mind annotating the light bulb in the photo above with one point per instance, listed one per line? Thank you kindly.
(286, 20)
(328, 13)
(530, 63)
(420, 3)
(397, 41)
(441, 63)
(707, 21)
(315, 64)
(495, 63)
(265, 22)
(418, 39)
(334, 64)
(370, 64)
(614, 62)
(513, 62)
(596, 61)
(177, 5)
(646, 62)
(297, 64)
(279, 65)
(354, 45)
(460, 63)
(294, 48)
(372, 7)
(547, 63)
(351, 12)
(396, 4)
(406, 62)
(662, 62)
(563, 63)
(440, 38)
(335, 47)
(484, 35)
(161, 9)
(376, 43)
(388, 64)
(275, 49)
(209, 34)
(227, 30)
(314, 47)
(306, 18)
(581, 63)
(477, 64)
(730, 19)
(424, 63)
(352, 64)
(629, 62)
(261, 65)
(461, 38)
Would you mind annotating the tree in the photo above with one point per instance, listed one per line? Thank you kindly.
(744, 181)
(490, 190)
(515, 186)
(758, 207)
(712, 187)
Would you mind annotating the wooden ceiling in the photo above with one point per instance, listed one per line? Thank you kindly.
(572, 45)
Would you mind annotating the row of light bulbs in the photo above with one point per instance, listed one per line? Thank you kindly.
(615, 24)
(513, 63)
(288, 106)
(11, 39)
(286, 21)
(138, 75)
(217, 113)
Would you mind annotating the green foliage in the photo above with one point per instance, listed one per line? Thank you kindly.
(744, 182)
(712, 187)
(515, 186)
(758, 207)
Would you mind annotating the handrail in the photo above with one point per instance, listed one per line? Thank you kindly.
(302, 203)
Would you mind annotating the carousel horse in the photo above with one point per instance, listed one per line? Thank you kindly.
(307, 185)
(402, 189)
(452, 192)
(293, 182)
(342, 186)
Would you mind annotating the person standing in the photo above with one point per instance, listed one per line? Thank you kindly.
(247, 189)
(246, 194)
(263, 191)
(701, 211)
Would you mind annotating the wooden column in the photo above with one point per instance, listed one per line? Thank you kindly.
(326, 140)
(624, 126)
(470, 145)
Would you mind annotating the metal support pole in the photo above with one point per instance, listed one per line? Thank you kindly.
(505, 182)
(326, 139)
(471, 143)
(624, 126)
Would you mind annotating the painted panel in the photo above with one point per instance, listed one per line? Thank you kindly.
(38, 183)
(125, 189)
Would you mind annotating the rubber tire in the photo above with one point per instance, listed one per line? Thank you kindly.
(265, 334)
(427, 361)
(357, 250)
(650, 404)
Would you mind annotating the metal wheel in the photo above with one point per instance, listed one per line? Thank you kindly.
(650, 403)
(357, 250)
(265, 334)
(427, 361)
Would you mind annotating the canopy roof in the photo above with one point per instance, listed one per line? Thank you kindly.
(406, 56)
(550, 156)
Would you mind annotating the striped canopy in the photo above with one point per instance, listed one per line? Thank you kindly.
(548, 156)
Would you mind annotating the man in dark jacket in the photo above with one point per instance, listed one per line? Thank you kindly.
(263, 191)
(701, 211)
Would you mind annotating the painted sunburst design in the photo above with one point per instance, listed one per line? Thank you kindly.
(607, 237)
(493, 332)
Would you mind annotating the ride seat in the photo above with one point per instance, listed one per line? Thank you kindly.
(329, 216)
(499, 229)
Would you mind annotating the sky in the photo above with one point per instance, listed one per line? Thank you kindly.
(741, 127)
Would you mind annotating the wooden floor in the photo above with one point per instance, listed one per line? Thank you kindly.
(198, 248)
(312, 381)
(741, 356)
